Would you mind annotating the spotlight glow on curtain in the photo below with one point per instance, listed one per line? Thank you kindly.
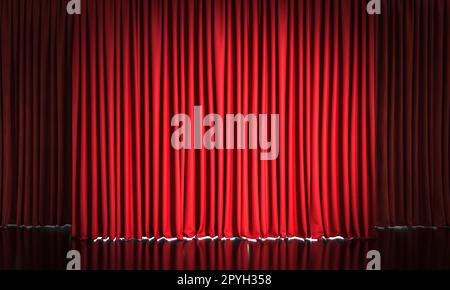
(137, 63)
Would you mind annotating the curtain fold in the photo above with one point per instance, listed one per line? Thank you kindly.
(414, 109)
(35, 92)
(136, 64)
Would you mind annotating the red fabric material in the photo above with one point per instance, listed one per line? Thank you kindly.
(35, 86)
(414, 109)
(137, 63)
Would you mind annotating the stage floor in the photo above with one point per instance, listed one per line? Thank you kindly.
(45, 248)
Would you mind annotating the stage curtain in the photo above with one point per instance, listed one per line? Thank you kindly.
(414, 107)
(35, 98)
(137, 63)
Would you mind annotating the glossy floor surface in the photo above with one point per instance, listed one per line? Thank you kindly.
(45, 248)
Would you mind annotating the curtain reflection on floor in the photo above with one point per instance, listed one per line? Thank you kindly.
(224, 255)
(46, 249)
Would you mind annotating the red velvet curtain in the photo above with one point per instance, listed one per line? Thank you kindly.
(414, 108)
(138, 63)
(35, 86)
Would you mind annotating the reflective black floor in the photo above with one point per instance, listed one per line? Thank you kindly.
(46, 249)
